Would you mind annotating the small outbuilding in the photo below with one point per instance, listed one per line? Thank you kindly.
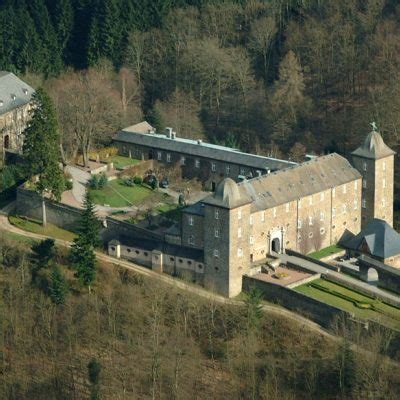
(377, 240)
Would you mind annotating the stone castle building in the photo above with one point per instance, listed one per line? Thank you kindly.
(302, 207)
(15, 98)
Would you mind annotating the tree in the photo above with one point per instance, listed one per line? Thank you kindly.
(41, 149)
(58, 287)
(254, 311)
(297, 152)
(43, 255)
(94, 369)
(82, 251)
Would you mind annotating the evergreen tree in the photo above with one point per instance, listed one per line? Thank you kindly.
(43, 254)
(253, 308)
(94, 369)
(82, 251)
(58, 287)
(41, 148)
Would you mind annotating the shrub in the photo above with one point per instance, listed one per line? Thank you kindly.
(137, 180)
(93, 182)
(128, 181)
(102, 181)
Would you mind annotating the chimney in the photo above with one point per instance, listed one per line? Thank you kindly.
(13, 96)
(168, 132)
(25, 91)
(1, 103)
(268, 171)
(199, 141)
(173, 135)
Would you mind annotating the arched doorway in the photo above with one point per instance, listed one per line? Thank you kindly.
(276, 245)
(372, 276)
(6, 141)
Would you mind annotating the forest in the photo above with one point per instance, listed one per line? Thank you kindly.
(274, 77)
(132, 337)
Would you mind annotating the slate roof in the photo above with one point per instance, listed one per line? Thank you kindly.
(280, 187)
(10, 86)
(141, 127)
(227, 195)
(166, 248)
(382, 240)
(196, 209)
(200, 149)
(373, 147)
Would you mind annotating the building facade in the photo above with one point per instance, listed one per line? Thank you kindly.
(302, 207)
(15, 103)
(207, 162)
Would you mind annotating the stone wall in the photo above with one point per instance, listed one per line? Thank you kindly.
(322, 313)
(29, 204)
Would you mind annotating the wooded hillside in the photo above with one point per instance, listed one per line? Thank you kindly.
(262, 75)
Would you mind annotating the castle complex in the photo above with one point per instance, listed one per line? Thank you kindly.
(15, 103)
(263, 206)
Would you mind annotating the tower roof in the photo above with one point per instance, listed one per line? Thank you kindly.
(373, 147)
(227, 195)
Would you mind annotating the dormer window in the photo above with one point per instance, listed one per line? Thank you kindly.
(25, 91)
(13, 96)
(1, 103)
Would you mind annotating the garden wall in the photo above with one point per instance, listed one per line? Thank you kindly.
(322, 313)
(29, 204)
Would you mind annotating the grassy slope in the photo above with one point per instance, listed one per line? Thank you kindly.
(327, 251)
(34, 226)
(390, 315)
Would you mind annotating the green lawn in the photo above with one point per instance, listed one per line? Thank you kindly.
(327, 251)
(34, 226)
(352, 301)
(116, 194)
(121, 162)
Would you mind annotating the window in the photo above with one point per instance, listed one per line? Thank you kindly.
(299, 238)
(168, 157)
(322, 231)
(274, 212)
(333, 212)
(287, 207)
(263, 216)
(251, 239)
(344, 189)
(251, 220)
(364, 203)
(364, 183)
(355, 204)
(197, 163)
(322, 216)
(384, 166)
(310, 235)
(310, 220)
(355, 185)
(239, 232)
(384, 183)
(191, 239)
(228, 169)
(183, 160)
(159, 155)
(240, 252)
(310, 201)
(213, 166)
(239, 214)
(322, 196)
(216, 233)
(299, 223)
(242, 171)
(191, 220)
(333, 192)
(216, 214)
(365, 166)
(216, 253)
(344, 208)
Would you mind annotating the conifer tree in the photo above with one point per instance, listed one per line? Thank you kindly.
(82, 251)
(41, 149)
(43, 254)
(58, 287)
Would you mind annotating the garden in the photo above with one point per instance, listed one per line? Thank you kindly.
(352, 301)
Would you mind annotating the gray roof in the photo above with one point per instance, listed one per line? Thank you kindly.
(196, 209)
(198, 148)
(166, 248)
(227, 195)
(382, 240)
(14, 93)
(373, 147)
(280, 187)
(141, 127)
